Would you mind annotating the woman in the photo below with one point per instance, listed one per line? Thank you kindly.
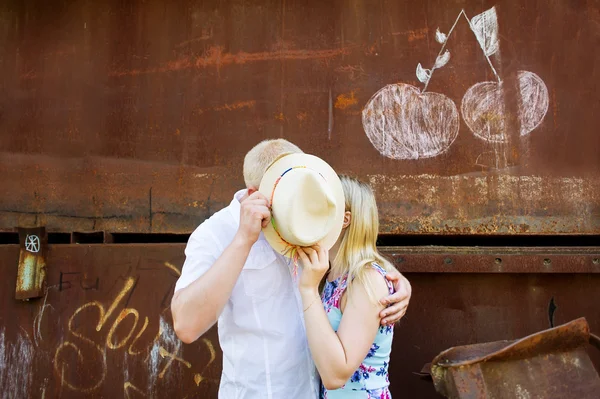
(349, 347)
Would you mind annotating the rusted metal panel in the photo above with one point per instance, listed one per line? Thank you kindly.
(450, 310)
(134, 117)
(31, 270)
(103, 327)
(548, 364)
(495, 259)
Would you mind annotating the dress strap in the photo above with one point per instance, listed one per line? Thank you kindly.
(383, 273)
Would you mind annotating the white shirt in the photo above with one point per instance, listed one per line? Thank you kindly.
(261, 328)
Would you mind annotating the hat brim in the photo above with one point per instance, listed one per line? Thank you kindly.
(332, 180)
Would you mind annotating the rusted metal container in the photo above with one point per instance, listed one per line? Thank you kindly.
(103, 327)
(134, 117)
(551, 364)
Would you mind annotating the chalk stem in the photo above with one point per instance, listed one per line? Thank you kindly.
(462, 13)
(486, 56)
(443, 48)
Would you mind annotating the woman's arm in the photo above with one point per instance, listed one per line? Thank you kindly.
(338, 355)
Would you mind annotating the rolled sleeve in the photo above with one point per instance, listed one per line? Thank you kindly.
(201, 252)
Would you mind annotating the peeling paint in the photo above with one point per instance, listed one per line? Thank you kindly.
(494, 204)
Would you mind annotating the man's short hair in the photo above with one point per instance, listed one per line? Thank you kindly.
(262, 155)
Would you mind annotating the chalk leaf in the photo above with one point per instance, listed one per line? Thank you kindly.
(440, 37)
(442, 59)
(423, 74)
(485, 27)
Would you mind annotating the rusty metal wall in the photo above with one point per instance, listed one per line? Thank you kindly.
(103, 328)
(128, 117)
(134, 116)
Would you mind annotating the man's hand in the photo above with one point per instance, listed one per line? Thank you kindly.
(254, 215)
(398, 301)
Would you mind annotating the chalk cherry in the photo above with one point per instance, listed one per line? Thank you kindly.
(403, 123)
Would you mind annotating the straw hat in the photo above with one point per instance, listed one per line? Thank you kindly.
(307, 203)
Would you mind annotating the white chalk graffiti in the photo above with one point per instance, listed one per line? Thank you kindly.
(32, 243)
(16, 358)
(534, 101)
(404, 123)
(483, 111)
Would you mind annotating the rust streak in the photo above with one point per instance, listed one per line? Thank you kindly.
(236, 105)
(344, 101)
(205, 36)
(215, 56)
(413, 35)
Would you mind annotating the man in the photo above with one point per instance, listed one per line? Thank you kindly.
(232, 275)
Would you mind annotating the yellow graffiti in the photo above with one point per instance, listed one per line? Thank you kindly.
(130, 350)
(122, 316)
(198, 378)
(80, 350)
(164, 353)
(103, 317)
(128, 385)
(173, 267)
(61, 367)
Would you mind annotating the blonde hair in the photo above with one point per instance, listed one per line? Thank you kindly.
(358, 247)
(262, 155)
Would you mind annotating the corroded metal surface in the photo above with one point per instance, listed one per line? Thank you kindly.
(548, 364)
(426, 259)
(135, 116)
(450, 310)
(103, 328)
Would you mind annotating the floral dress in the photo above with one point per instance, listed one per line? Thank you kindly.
(371, 379)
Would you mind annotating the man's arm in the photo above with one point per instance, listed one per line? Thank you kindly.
(197, 307)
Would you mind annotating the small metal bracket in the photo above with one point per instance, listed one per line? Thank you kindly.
(31, 274)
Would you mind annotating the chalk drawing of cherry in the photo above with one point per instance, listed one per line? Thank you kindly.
(484, 112)
(482, 105)
(403, 122)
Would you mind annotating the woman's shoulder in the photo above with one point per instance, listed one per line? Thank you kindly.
(376, 275)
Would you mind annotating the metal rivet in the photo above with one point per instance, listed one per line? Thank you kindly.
(448, 261)
(498, 261)
(547, 262)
